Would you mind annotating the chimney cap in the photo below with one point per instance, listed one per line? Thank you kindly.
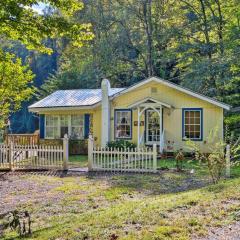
(105, 83)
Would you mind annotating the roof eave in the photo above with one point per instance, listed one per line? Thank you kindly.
(175, 86)
(59, 108)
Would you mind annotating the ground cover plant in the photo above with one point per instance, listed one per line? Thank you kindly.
(169, 205)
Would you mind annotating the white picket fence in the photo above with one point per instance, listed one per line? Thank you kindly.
(122, 160)
(16, 157)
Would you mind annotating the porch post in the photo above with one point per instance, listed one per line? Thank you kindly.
(138, 143)
(161, 143)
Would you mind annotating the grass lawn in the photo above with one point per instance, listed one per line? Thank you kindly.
(82, 161)
(170, 205)
(78, 161)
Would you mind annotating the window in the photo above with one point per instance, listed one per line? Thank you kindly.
(123, 124)
(64, 125)
(59, 125)
(192, 124)
(152, 127)
(77, 126)
(52, 127)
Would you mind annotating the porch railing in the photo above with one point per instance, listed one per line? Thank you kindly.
(22, 139)
(14, 157)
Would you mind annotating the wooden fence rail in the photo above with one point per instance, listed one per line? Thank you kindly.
(122, 160)
(22, 139)
(16, 157)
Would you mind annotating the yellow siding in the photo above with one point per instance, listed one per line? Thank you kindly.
(172, 119)
(96, 113)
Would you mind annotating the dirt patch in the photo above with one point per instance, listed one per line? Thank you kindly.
(230, 232)
(20, 189)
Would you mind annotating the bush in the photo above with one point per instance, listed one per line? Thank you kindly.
(121, 144)
(215, 158)
(179, 157)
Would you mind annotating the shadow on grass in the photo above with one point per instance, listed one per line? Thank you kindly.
(52, 173)
(153, 184)
(29, 236)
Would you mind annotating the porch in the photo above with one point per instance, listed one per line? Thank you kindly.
(153, 131)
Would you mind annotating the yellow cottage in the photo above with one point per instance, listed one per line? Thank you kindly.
(151, 111)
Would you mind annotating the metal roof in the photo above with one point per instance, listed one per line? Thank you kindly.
(73, 98)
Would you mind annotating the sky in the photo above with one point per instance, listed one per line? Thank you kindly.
(39, 7)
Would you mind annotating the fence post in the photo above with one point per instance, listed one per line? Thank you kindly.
(10, 155)
(155, 157)
(228, 164)
(65, 152)
(90, 152)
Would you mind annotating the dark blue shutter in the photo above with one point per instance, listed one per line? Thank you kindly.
(42, 126)
(86, 125)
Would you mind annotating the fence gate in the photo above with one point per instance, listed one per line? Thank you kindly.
(123, 160)
(16, 157)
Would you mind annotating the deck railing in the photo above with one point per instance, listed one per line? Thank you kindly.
(16, 157)
(22, 139)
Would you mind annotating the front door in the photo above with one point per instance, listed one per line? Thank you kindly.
(152, 127)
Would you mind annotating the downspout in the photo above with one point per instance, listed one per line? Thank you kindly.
(106, 124)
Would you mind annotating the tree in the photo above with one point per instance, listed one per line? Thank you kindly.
(194, 43)
(15, 86)
(19, 22)
(131, 43)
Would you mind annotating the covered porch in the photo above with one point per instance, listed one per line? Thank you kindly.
(153, 131)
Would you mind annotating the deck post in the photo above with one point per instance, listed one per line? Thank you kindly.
(228, 164)
(90, 152)
(155, 157)
(65, 152)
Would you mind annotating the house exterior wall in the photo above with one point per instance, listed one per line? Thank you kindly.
(172, 119)
(96, 119)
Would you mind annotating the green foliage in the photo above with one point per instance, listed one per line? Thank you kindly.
(121, 144)
(18, 21)
(232, 95)
(15, 86)
(194, 43)
(214, 157)
(179, 157)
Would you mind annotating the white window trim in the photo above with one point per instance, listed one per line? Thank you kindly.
(45, 127)
(70, 126)
(146, 128)
(115, 124)
(59, 126)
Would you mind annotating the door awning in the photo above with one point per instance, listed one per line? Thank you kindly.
(149, 102)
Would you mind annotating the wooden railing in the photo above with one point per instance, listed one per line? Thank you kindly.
(22, 139)
(16, 157)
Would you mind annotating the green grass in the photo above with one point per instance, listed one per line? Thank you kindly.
(100, 208)
(78, 160)
(170, 205)
(170, 163)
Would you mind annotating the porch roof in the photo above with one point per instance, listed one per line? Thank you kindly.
(149, 102)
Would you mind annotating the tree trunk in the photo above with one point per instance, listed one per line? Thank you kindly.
(147, 15)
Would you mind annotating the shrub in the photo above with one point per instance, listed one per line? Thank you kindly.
(121, 144)
(215, 158)
(179, 157)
